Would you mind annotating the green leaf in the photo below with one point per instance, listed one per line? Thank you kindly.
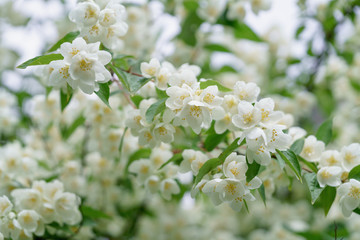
(65, 228)
(214, 162)
(243, 31)
(299, 31)
(355, 173)
(190, 5)
(70, 130)
(131, 82)
(357, 211)
(313, 185)
(291, 160)
(189, 27)
(326, 100)
(65, 97)
(104, 93)
(261, 191)
(327, 198)
(212, 140)
(324, 133)
(281, 162)
(246, 206)
(154, 110)
(136, 99)
(141, 153)
(206, 168)
(311, 165)
(41, 60)
(253, 170)
(355, 84)
(216, 47)
(297, 146)
(207, 83)
(92, 213)
(67, 38)
(161, 93)
(177, 158)
(122, 142)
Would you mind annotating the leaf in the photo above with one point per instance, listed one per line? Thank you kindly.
(41, 60)
(355, 173)
(65, 97)
(177, 158)
(280, 161)
(104, 93)
(324, 133)
(92, 213)
(357, 211)
(207, 83)
(326, 100)
(311, 165)
(68, 131)
(299, 31)
(136, 99)
(291, 160)
(355, 84)
(65, 228)
(243, 31)
(122, 141)
(141, 153)
(131, 82)
(252, 171)
(67, 38)
(161, 93)
(327, 198)
(214, 162)
(154, 110)
(189, 28)
(216, 47)
(297, 146)
(190, 5)
(261, 191)
(212, 140)
(206, 168)
(313, 185)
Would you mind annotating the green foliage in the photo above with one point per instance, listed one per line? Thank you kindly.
(41, 60)
(176, 159)
(65, 97)
(291, 160)
(313, 185)
(92, 213)
(216, 48)
(141, 153)
(327, 198)
(324, 133)
(67, 132)
(131, 81)
(104, 93)
(355, 173)
(297, 146)
(214, 162)
(136, 99)
(261, 191)
(189, 27)
(253, 170)
(67, 38)
(155, 109)
(213, 139)
(207, 83)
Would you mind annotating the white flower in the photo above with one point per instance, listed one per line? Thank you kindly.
(159, 156)
(312, 149)
(329, 176)
(191, 160)
(164, 132)
(229, 189)
(209, 188)
(150, 69)
(185, 76)
(235, 166)
(351, 156)
(237, 203)
(258, 5)
(147, 138)
(246, 91)
(248, 115)
(237, 11)
(66, 207)
(349, 196)
(210, 10)
(112, 35)
(153, 183)
(28, 220)
(86, 13)
(196, 115)
(178, 97)
(27, 198)
(268, 115)
(5, 206)
(162, 78)
(143, 168)
(59, 74)
(296, 133)
(331, 158)
(169, 187)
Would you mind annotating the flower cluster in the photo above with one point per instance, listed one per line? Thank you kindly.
(334, 167)
(35, 207)
(105, 25)
(83, 66)
(8, 115)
